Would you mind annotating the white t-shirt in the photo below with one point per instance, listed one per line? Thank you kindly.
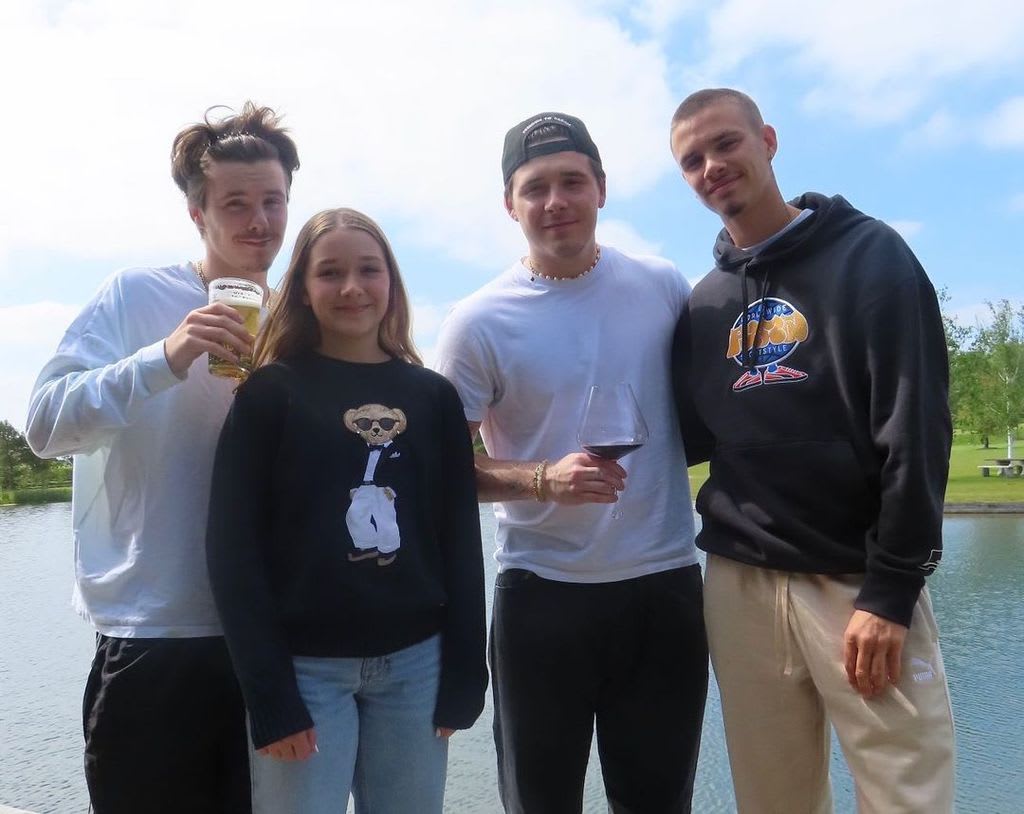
(143, 442)
(523, 353)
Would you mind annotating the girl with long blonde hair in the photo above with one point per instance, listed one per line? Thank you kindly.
(344, 543)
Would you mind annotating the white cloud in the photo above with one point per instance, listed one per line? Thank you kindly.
(428, 316)
(941, 129)
(426, 321)
(879, 60)
(622, 235)
(659, 16)
(979, 314)
(694, 280)
(428, 353)
(28, 335)
(972, 315)
(907, 228)
(398, 108)
(1005, 126)
(1001, 128)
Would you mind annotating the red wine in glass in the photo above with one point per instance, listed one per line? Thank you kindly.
(612, 425)
(610, 452)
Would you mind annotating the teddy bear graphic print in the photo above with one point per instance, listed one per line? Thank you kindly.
(371, 519)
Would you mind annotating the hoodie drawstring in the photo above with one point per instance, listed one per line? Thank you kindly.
(748, 354)
(745, 305)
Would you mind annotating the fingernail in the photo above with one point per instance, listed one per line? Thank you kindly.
(437, 733)
(316, 748)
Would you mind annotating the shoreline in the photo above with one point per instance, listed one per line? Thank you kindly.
(983, 508)
(973, 507)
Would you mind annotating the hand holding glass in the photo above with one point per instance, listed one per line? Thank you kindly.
(246, 297)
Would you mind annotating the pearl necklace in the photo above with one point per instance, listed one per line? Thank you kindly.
(534, 274)
(198, 266)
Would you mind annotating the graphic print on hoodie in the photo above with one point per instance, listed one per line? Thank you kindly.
(762, 336)
(844, 473)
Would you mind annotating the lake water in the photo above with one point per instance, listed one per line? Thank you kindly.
(45, 651)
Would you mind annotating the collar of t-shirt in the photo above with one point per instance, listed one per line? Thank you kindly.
(757, 248)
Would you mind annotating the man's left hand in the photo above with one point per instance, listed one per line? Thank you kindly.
(873, 648)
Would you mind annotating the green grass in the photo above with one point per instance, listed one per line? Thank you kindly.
(965, 485)
(24, 497)
(698, 474)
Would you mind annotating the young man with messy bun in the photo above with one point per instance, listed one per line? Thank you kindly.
(129, 395)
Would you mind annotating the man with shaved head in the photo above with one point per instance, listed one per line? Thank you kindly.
(811, 362)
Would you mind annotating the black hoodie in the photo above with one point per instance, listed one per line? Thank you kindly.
(823, 405)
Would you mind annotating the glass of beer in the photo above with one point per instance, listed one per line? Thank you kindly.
(246, 297)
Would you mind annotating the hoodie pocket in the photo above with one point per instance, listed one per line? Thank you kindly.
(813, 495)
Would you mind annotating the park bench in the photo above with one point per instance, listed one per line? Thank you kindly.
(1002, 470)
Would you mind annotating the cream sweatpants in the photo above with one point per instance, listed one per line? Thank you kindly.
(776, 642)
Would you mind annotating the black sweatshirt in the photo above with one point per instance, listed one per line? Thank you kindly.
(344, 523)
(826, 421)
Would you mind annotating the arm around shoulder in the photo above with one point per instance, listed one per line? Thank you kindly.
(697, 438)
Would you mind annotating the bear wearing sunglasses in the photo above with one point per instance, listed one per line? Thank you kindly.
(371, 518)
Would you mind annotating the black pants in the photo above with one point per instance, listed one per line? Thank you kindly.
(630, 655)
(165, 728)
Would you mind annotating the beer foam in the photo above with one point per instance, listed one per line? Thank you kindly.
(236, 292)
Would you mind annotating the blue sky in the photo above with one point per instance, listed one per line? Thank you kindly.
(399, 108)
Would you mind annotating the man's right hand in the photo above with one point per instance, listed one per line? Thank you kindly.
(581, 478)
(205, 330)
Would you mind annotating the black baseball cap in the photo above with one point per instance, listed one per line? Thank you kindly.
(572, 136)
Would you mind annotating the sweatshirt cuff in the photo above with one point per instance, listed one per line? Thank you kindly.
(271, 723)
(890, 595)
(460, 698)
(154, 370)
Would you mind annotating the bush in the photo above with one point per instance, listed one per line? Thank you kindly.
(25, 497)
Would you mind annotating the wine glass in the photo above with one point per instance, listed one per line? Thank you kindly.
(612, 425)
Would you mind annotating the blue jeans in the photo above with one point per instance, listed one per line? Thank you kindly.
(375, 735)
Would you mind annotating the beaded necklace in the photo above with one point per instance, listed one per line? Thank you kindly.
(534, 274)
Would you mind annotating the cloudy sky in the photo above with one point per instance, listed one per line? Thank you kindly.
(916, 115)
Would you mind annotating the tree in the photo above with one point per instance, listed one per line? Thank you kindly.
(19, 466)
(968, 395)
(958, 340)
(992, 390)
(14, 456)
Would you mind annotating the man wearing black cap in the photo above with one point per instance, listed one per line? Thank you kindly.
(597, 606)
